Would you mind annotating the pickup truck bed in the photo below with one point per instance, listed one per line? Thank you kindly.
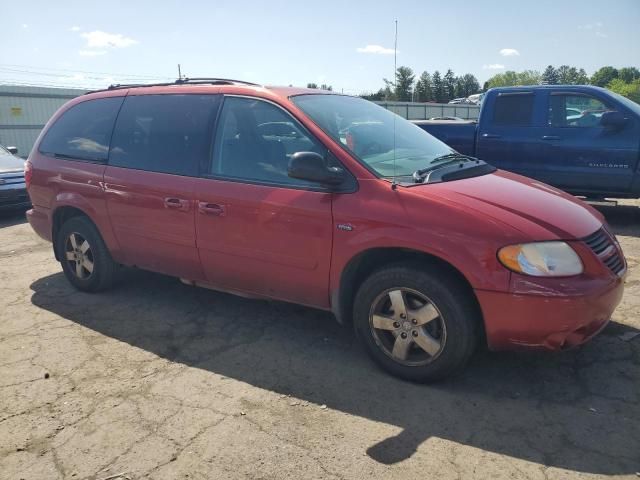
(582, 139)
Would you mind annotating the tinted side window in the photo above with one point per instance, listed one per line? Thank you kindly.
(255, 140)
(84, 130)
(513, 110)
(575, 111)
(164, 133)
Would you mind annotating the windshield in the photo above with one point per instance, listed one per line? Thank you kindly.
(367, 130)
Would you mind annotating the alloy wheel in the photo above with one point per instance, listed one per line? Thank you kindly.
(79, 256)
(407, 326)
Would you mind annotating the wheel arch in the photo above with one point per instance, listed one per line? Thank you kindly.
(363, 264)
(62, 214)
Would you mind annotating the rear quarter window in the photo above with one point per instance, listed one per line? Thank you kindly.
(83, 131)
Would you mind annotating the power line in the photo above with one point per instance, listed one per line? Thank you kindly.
(31, 69)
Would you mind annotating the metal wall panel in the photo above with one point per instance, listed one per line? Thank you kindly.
(25, 110)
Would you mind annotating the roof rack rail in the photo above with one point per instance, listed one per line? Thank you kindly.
(179, 81)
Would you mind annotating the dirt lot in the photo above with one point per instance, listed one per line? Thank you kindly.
(156, 379)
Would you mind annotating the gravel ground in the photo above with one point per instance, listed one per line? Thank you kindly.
(156, 379)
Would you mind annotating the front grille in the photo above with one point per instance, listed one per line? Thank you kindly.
(603, 245)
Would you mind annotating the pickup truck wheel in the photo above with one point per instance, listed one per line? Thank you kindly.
(85, 259)
(417, 325)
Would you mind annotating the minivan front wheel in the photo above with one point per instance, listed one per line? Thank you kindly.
(84, 257)
(417, 324)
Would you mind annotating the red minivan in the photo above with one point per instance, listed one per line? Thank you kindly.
(324, 200)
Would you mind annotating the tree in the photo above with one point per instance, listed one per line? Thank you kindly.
(437, 84)
(423, 88)
(630, 90)
(467, 84)
(312, 85)
(566, 74)
(324, 86)
(403, 86)
(528, 77)
(550, 76)
(603, 76)
(449, 85)
(582, 78)
(628, 74)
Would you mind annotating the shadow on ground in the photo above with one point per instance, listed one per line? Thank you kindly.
(575, 410)
(11, 218)
(623, 219)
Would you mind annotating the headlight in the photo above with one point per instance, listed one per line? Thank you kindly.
(543, 259)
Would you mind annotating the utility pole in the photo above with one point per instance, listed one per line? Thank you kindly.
(179, 73)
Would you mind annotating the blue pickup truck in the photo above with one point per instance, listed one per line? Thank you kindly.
(582, 139)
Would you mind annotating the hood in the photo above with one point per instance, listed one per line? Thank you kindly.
(537, 210)
(10, 163)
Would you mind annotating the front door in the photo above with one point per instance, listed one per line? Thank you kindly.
(585, 155)
(259, 231)
(157, 146)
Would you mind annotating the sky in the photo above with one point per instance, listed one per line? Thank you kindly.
(346, 44)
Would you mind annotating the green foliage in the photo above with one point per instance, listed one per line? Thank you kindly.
(603, 77)
(550, 76)
(449, 84)
(424, 90)
(628, 74)
(513, 79)
(439, 94)
(630, 89)
(312, 85)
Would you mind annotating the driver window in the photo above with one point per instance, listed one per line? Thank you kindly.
(575, 111)
(256, 139)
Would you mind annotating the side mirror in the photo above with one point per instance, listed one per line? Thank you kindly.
(312, 167)
(614, 120)
(13, 150)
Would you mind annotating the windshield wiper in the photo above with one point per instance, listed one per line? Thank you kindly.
(441, 162)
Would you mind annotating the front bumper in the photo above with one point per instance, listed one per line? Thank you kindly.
(13, 198)
(546, 321)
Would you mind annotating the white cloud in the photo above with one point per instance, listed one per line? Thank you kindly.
(100, 39)
(75, 28)
(25, 26)
(377, 49)
(509, 52)
(91, 53)
(493, 66)
(595, 27)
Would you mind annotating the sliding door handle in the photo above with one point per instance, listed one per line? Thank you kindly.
(211, 209)
(176, 203)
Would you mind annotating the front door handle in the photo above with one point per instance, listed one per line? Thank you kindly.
(176, 203)
(550, 137)
(211, 209)
(490, 135)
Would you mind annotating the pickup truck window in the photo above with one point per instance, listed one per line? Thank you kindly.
(513, 110)
(567, 110)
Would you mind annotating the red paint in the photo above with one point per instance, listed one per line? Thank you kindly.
(285, 244)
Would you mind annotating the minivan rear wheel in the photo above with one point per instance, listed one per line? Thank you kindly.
(84, 257)
(420, 325)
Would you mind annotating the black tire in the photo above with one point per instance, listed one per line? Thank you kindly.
(454, 329)
(103, 272)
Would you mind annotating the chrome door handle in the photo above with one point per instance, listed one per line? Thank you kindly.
(491, 135)
(211, 209)
(550, 137)
(176, 203)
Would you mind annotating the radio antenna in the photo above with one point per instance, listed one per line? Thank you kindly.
(395, 86)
